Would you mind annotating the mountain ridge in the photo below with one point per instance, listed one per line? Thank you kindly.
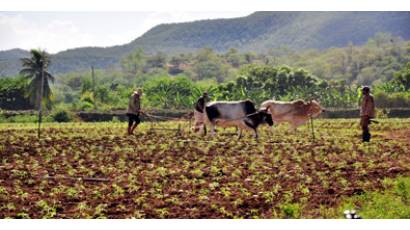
(257, 32)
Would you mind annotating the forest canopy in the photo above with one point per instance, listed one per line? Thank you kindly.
(331, 76)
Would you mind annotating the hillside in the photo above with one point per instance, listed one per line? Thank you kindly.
(257, 32)
(265, 30)
(10, 61)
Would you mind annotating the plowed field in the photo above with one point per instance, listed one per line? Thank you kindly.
(94, 170)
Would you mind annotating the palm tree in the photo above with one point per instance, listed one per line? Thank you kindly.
(35, 68)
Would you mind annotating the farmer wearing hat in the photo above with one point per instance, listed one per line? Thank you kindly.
(367, 112)
(134, 109)
(199, 112)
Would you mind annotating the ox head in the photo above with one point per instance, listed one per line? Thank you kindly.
(266, 116)
(315, 109)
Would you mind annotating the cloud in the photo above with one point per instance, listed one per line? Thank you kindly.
(55, 35)
(57, 31)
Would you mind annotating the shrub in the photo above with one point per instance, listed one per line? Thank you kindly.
(62, 116)
(392, 100)
(23, 119)
(87, 99)
(2, 118)
(290, 210)
(86, 106)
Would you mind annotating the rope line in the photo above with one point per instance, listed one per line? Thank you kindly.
(188, 116)
(165, 118)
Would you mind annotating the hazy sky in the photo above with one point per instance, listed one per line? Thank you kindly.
(63, 30)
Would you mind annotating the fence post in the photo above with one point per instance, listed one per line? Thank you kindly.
(179, 129)
(313, 131)
(189, 125)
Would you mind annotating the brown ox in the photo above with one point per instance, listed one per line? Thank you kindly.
(296, 113)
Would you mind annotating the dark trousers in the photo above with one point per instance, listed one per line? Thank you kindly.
(133, 118)
(364, 123)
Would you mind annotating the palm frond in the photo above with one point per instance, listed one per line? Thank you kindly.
(32, 69)
(28, 72)
(49, 76)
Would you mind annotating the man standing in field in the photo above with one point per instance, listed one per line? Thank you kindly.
(367, 111)
(134, 109)
(199, 111)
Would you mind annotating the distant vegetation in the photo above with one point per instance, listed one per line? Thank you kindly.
(331, 76)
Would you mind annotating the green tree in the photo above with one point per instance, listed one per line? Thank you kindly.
(208, 65)
(249, 57)
(35, 68)
(403, 77)
(171, 93)
(13, 93)
(233, 57)
(133, 63)
(159, 60)
(177, 63)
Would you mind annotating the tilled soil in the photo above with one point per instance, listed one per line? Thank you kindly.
(83, 172)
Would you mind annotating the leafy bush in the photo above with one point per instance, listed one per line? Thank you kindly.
(85, 106)
(87, 97)
(24, 119)
(165, 92)
(13, 94)
(62, 116)
(391, 100)
(2, 118)
(291, 210)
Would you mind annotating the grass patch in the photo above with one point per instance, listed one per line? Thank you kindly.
(393, 203)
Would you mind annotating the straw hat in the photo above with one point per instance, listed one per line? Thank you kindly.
(138, 91)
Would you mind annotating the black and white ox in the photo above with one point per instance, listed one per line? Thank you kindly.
(240, 114)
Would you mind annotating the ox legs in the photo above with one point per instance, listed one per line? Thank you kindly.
(204, 129)
(239, 133)
(294, 125)
(212, 129)
(254, 131)
(255, 134)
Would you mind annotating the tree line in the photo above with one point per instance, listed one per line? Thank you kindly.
(331, 76)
